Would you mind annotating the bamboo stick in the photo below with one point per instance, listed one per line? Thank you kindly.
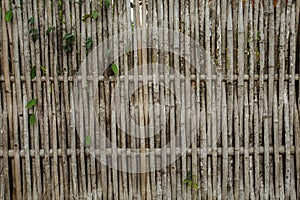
(65, 106)
(240, 91)
(229, 94)
(292, 95)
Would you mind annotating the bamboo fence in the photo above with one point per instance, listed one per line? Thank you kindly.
(251, 140)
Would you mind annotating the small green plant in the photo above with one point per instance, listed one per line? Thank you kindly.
(85, 17)
(34, 34)
(88, 43)
(8, 15)
(32, 119)
(190, 181)
(30, 104)
(31, 20)
(88, 141)
(95, 14)
(33, 72)
(115, 68)
(107, 3)
(48, 31)
(69, 40)
(43, 70)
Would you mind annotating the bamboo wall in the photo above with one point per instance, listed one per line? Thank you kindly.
(251, 143)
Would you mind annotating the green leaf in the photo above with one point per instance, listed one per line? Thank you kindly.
(185, 181)
(88, 43)
(31, 103)
(51, 28)
(107, 3)
(95, 14)
(69, 36)
(85, 17)
(31, 20)
(34, 34)
(32, 119)
(8, 15)
(33, 72)
(195, 185)
(51, 88)
(115, 68)
(43, 70)
(87, 141)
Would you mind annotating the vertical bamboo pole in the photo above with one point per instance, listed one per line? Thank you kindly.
(230, 89)
(260, 101)
(208, 95)
(240, 93)
(17, 102)
(8, 97)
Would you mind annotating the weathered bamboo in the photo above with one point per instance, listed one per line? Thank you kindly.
(240, 94)
(243, 124)
(230, 70)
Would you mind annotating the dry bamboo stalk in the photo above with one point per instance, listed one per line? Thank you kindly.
(72, 122)
(134, 111)
(172, 6)
(17, 108)
(2, 165)
(7, 103)
(55, 184)
(97, 39)
(152, 129)
(271, 66)
(17, 173)
(218, 98)
(115, 97)
(266, 174)
(208, 96)
(240, 92)
(41, 23)
(89, 115)
(145, 101)
(282, 108)
(127, 41)
(236, 147)
(261, 96)
(276, 144)
(156, 60)
(156, 99)
(60, 112)
(83, 127)
(2, 183)
(292, 96)
(5, 143)
(123, 41)
(229, 95)
(198, 60)
(64, 106)
(38, 110)
(47, 105)
(250, 111)
(201, 109)
(165, 44)
(297, 142)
